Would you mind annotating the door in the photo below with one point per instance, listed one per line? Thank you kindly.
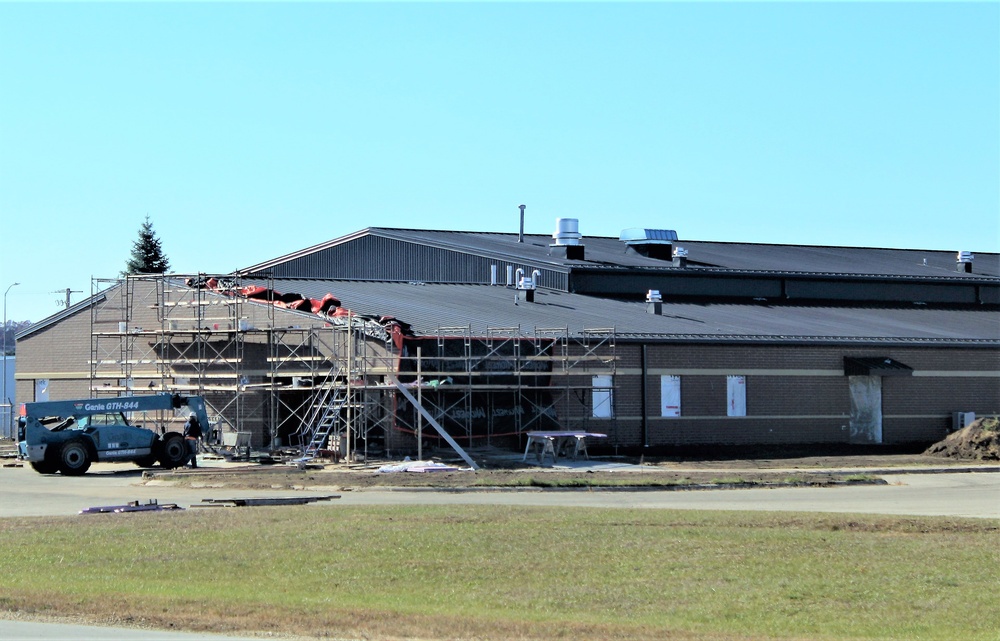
(866, 409)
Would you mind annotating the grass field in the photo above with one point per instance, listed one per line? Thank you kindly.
(489, 572)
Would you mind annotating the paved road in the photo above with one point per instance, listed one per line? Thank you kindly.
(26, 493)
(33, 631)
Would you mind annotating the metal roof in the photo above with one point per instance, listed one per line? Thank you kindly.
(609, 252)
(430, 307)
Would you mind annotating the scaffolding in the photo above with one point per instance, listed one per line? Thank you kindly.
(165, 333)
(338, 385)
(492, 389)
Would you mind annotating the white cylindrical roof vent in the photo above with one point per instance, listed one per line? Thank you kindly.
(567, 231)
(964, 257)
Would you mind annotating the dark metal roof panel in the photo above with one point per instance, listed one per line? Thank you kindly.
(428, 307)
(612, 253)
(737, 256)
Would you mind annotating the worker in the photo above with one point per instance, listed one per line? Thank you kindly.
(192, 433)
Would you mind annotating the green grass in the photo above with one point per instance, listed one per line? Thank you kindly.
(493, 572)
(860, 478)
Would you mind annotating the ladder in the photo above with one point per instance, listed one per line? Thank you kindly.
(324, 418)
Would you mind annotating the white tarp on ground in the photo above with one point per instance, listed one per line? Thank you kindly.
(417, 466)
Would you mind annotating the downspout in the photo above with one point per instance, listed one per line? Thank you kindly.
(642, 398)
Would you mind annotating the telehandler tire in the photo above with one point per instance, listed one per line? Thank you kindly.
(148, 461)
(173, 450)
(74, 459)
(45, 467)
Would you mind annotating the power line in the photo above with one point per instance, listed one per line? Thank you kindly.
(67, 292)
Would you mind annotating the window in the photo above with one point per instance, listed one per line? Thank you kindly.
(602, 397)
(670, 396)
(736, 396)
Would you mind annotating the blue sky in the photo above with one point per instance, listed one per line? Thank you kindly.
(249, 130)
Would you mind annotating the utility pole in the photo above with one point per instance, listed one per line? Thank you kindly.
(67, 291)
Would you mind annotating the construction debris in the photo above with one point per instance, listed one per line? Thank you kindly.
(133, 506)
(264, 501)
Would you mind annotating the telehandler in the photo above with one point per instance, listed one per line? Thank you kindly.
(67, 436)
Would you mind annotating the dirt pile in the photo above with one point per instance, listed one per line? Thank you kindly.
(978, 441)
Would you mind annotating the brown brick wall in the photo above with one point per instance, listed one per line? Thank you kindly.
(795, 394)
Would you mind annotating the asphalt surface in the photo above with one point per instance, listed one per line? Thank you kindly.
(36, 631)
(23, 492)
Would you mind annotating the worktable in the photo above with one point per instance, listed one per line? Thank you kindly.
(556, 443)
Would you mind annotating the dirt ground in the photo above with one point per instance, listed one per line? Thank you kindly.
(504, 472)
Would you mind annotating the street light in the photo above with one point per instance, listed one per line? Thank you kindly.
(3, 399)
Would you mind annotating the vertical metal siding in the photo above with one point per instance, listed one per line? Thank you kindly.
(385, 259)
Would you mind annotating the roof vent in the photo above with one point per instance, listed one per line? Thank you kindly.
(567, 239)
(654, 302)
(651, 243)
(963, 261)
(526, 285)
(680, 257)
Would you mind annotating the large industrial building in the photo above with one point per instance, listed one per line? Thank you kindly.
(387, 338)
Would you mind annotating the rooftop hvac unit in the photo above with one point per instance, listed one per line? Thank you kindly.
(637, 236)
(651, 243)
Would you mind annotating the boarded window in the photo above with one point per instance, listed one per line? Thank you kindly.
(41, 390)
(602, 397)
(736, 396)
(670, 396)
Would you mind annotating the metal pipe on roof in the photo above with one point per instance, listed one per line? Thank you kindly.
(520, 235)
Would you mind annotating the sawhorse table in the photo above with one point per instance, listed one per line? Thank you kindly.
(556, 443)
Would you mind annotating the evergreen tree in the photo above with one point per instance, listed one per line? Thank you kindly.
(147, 253)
